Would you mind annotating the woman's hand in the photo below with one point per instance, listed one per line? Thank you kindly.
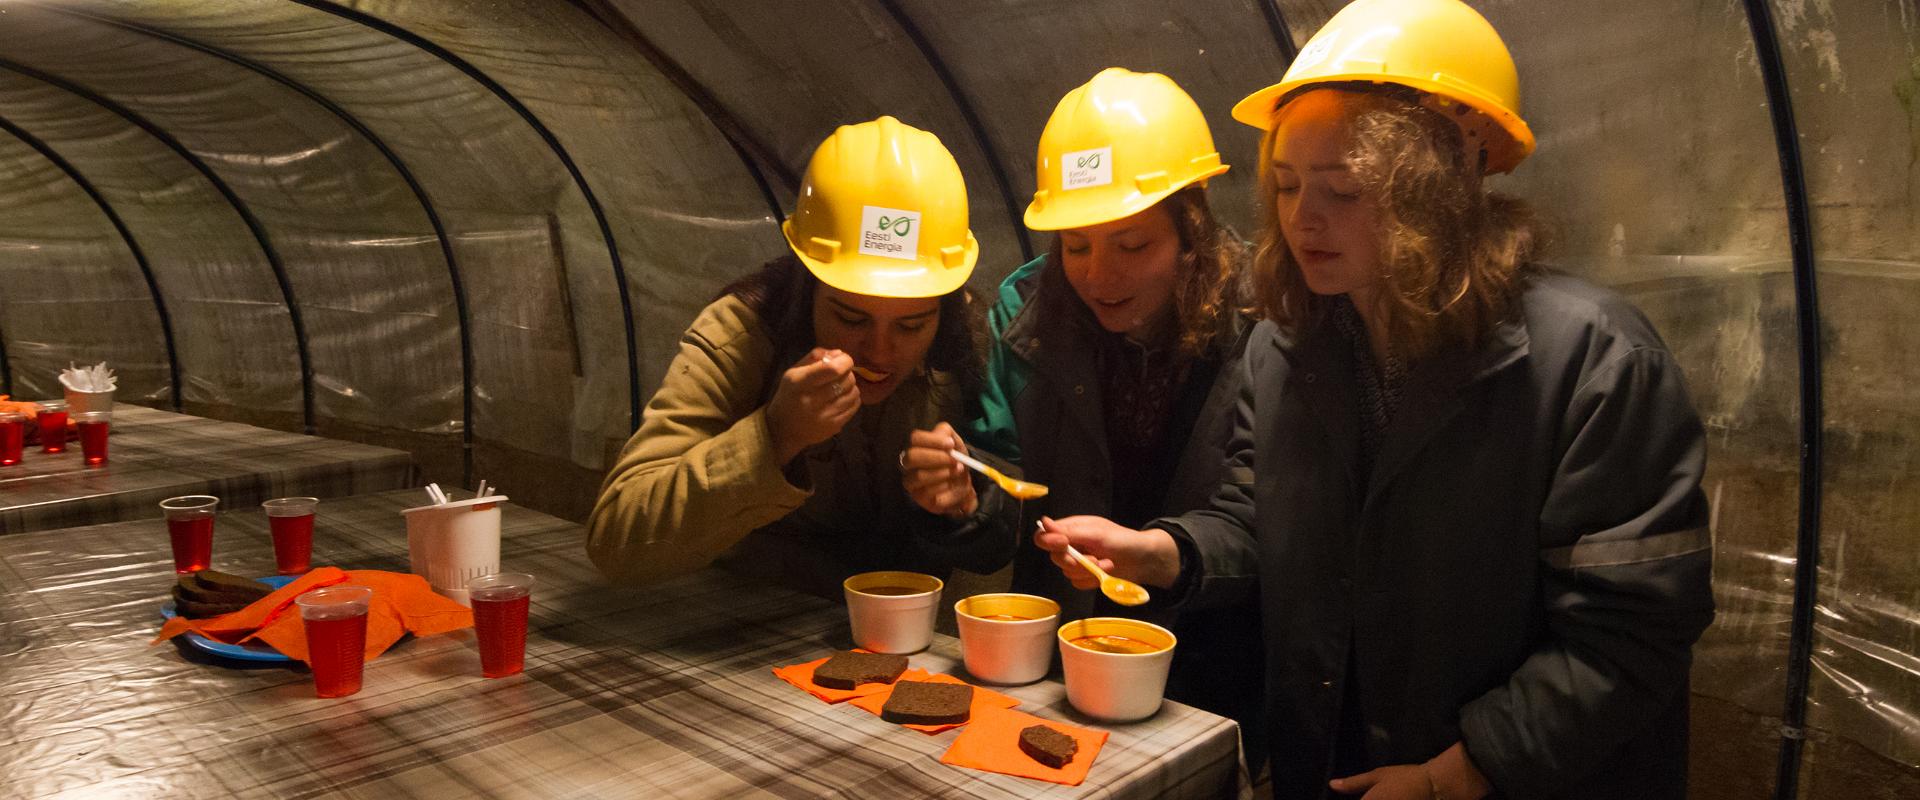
(1450, 775)
(813, 401)
(935, 480)
(1150, 556)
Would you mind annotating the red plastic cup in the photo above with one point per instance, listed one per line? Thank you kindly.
(93, 436)
(190, 527)
(336, 622)
(500, 619)
(53, 426)
(291, 519)
(13, 436)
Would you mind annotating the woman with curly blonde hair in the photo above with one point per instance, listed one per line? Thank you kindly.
(1464, 489)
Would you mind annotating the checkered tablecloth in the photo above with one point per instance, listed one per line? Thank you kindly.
(153, 455)
(659, 693)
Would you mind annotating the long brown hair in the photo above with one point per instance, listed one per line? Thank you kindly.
(1211, 288)
(781, 293)
(1453, 254)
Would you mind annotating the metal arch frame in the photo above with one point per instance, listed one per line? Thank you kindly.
(749, 148)
(239, 207)
(1806, 567)
(139, 256)
(406, 175)
(965, 107)
(467, 68)
(1282, 35)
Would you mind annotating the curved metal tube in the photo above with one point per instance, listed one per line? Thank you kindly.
(960, 102)
(1806, 565)
(399, 166)
(1282, 35)
(239, 207)
(553, 143)
(133, 246)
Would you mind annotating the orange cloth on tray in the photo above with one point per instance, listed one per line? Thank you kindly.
(401, 604)
(992, 743)
(982, 699)
(801, 675)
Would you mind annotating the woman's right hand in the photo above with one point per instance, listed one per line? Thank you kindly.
(933, 477)
(1150, 556)
(813, 401)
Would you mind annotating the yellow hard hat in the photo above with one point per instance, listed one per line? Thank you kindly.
(1116, 145)
(883, 212)
(1440, 47)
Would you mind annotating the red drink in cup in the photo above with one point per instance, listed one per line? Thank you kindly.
(93, 436)
(500, 620)
(291, 519)
(190, 527)
(13, 435)
(336, 623)
(53, 426)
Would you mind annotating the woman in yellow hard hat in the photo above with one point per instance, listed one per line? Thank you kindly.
(1469, 487)
(1113, 361)
(772, 442)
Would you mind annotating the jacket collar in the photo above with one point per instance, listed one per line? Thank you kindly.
(1435, 391)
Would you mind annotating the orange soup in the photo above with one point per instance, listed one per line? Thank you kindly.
(1004, 617)
(892, 590)
(1109, 643)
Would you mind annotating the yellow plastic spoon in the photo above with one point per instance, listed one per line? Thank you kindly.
(1014, 487)
(1119, 590)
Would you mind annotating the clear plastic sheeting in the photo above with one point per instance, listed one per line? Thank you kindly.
(1657, 173)
(82, 272)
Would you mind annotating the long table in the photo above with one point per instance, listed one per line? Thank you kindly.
(655, 693)
(153, 455)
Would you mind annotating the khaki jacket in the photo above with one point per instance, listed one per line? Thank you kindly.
(698, 481)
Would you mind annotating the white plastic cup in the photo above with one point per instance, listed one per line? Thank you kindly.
(892, 612)
(453, 543)
(1007, 638)
(82, 402)
(1116, 686)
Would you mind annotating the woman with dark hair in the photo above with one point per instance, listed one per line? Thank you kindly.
(772, 442)
(1465, 488)
(1112, 368)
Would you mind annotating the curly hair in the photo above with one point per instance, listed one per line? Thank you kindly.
(781, 293)
(1211, 285)
(1453, 254)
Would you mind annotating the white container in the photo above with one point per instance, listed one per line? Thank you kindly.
(82, 402)
(1116, 686)
(453, 543)
(892, 612)
(1007, 638)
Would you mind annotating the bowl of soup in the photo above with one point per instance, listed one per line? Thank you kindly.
(1006, 638)
(1115, 668)
(892, 612)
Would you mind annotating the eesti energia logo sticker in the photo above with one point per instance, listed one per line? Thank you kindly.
(1084, 168)
(890, 232)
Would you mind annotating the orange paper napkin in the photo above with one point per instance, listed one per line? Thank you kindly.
(401, 604)
(982, 699)
(801, 675)
(992, 743)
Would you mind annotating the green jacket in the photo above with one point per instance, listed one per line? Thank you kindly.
(699, 481)
(1041, 407)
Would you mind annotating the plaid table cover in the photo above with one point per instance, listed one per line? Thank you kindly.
(659, 693)
(153, 455)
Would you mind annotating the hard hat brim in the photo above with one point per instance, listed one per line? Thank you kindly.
(1257, 110)
(1066, 214)
(878, 276)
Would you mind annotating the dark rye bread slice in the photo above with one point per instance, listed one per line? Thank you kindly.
(1048, 746)
(924, 703)
(847, 669)
(194, 609)
(223, 589)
